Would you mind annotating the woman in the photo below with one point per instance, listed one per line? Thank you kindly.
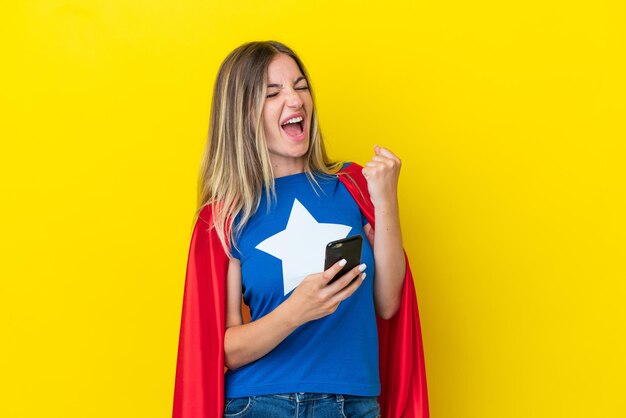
(271, 199)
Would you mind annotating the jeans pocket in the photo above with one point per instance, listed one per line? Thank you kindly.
(237, 407)
(360, 406)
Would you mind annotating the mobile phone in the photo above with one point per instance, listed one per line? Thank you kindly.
(348, 248)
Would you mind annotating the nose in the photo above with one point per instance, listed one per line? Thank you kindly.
(294, 99)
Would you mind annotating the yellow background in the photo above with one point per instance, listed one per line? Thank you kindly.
(509, 118)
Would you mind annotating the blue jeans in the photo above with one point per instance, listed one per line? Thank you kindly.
(302, 405)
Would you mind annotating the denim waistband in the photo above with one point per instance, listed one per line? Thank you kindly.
(307, 396)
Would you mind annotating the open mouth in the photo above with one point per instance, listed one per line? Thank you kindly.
(294, 129)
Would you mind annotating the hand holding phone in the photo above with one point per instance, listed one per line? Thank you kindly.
(314, 298)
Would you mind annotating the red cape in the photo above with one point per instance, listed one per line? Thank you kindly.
(199, 387)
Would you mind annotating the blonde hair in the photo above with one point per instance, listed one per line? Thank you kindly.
(236, 163)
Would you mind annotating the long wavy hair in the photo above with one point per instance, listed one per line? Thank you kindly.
(236, 164)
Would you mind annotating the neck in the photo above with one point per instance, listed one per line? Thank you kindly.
(284, 168)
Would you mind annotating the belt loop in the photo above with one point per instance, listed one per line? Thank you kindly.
(339, 398)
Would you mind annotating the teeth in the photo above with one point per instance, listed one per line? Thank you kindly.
(293, 120)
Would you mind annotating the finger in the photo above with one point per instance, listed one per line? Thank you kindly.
(346, 292)
(377, 149)
(384, 160)
(387, 153)
(373, 164)
(344, 280)
(333, 270)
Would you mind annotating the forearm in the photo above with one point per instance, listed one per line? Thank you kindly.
(246, 343)
(390, 266)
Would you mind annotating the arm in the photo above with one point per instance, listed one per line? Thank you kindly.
(389, 263)
(244, 343)
(390, 267)
(312, 299)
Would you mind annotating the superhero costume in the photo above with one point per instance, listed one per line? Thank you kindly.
(199, 385)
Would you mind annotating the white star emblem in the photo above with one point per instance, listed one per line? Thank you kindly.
(302, 245)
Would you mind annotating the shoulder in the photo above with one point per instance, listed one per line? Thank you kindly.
(353, 171)
(206, 214)
(205, 217)
(350, 166)
(344, 165)
(351, 175)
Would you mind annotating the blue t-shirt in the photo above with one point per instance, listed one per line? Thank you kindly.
(337, 353)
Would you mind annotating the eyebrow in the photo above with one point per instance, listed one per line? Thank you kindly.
(280, 85)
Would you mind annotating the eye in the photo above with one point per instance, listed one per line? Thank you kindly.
(297, 88)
